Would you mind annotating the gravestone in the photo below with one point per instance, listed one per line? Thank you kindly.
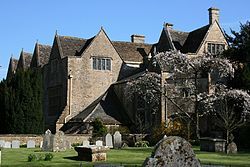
(68, 144)
(41, 144)
(232, 148)
(172, 151)
(31, 144)
(85, 143)
(59, 142)
(7, 144)
(99, 143)
(47, 141)
(2, 142)
(15, 144)
(108, 140)
(117, 140)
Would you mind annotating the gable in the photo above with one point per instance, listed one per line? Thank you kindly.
(164, 43)
(55, 52)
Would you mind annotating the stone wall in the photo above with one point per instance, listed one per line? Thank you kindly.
(23, 138)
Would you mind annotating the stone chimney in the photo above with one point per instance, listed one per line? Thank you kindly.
(137, 38)
(213, 15)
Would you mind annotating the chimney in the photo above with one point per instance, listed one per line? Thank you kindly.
(137, 38)
(168, 25)
(213, 15)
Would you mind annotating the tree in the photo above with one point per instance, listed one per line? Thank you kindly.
(239, 52)
(229, 108)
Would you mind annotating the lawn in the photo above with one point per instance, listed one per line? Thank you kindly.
(126, 157)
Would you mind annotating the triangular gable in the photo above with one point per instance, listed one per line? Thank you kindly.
(12, 67)
(95, 38)
(165, 42)
(24, 60)
(56, 50)
(35, 59)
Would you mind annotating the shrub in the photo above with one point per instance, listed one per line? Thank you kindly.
(48, 157)
(99, 129)
(142, 143)
(31, 157)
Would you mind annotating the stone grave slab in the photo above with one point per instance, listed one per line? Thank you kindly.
(7, 144)
(2, 142)
(85, 143)
(109, 140)
(15, 144)
(117, 139)
(99, 143)
(31, 144)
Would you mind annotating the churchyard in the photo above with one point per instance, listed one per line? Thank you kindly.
(125, 156)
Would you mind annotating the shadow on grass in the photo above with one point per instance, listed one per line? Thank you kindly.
(74, 158)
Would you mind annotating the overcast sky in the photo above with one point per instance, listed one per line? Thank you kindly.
(23, 22)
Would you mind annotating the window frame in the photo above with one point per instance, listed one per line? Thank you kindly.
(101, 63)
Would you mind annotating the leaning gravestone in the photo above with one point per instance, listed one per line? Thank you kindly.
(2, 142)
(59, 142)
(108, 140)
(172, 151)
(15, 144)
(117, 140)
(232, 148)
(31, 144)
(7, 144)
(47, 141)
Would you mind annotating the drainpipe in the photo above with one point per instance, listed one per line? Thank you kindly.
(164, 114)
(70, 96)
(209, 83)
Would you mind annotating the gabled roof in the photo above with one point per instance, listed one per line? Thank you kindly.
(132, 52)
(107, 108)
(194, 40)
(178, 38)
(41, 55)
(183, 41)
(73, 46)
(44, 53)
(24, 60)
(12, 67)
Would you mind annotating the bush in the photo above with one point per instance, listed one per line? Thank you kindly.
(32, 157)
(48, 157)
(142, 143)
(40, 157)
(99, 129)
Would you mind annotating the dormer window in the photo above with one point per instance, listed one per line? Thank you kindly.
(100, 63)
(214, 48)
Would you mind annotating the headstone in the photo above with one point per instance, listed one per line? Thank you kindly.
(232, 148)
(15, 144)
(59, 142)
(31, 144)
(117, 140)
(108, 140)
(85, 143)
(99, 143)
(68, 144)
(7, 144)
(41, 144)
(172, 151)
(2, 142)
(47, 141)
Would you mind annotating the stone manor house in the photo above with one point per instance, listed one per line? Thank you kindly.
(83, 79)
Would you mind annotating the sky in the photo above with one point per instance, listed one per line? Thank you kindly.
(23, 22)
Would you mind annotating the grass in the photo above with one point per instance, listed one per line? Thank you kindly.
(126, 157)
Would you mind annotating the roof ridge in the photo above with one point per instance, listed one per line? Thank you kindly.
(132, 43)
(72, 37)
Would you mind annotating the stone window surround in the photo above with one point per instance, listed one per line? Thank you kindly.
(105, 63)
(216, 45)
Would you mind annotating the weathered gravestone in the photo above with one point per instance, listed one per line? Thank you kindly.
(99, 143)
(172, 151)
(31, 144)
(85, 143)
(59, 141)
(41, 144)
(232, 148)
(47, 141)
(2, 142)
(7, 144)
(15, 144)
(117, 140)
(108, 140)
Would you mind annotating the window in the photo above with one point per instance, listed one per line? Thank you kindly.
(99, 63)
(213, 48)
